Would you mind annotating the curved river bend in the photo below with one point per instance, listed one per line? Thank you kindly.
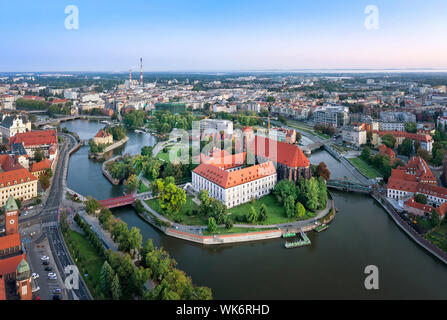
(362, 234)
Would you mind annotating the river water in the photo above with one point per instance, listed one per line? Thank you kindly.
(332, 267)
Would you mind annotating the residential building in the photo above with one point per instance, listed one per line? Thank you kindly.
(216, 125)
(39, 168)
(46, 140)
(355, 135)
(103, 137)
(425, 139)
(335, 116)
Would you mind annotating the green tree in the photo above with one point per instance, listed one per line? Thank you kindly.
(289, 206)
(44, 181)
(411, 127)
(434, 218)
(406, 148)
(212, 225)
(131, 184)
(172, 198)
(106, 278)
(115, 288)
(39, 155)
(420, 198)
(300, 210)
(312, 191)
(251, 215)
(263, 215)
(389, 140)
(366, 154)
(322, 171)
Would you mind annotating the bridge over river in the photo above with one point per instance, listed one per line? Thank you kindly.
(350, 186)
(314, 146)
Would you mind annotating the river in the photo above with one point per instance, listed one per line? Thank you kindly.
(332, 267)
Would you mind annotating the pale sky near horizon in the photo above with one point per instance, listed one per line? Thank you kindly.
(209, 35)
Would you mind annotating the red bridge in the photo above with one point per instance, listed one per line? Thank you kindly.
(118, 202)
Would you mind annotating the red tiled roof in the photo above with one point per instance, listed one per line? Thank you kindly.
(9, 241)
(18, 176)
(281, 152)
(42, 165)
(9, 265)
(8, 163)
(231, 179)
(102, 134)
(35, 138)
(442, 209)
(412, 136)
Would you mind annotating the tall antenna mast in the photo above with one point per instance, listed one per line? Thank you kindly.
(141, 71)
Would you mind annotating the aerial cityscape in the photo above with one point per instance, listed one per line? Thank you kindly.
(164, 157)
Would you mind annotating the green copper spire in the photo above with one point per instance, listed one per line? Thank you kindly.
(11, 205)
(23, 267)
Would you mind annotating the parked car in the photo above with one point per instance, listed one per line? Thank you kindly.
(57, 290)
(54, 277)
(51, 274)
(48, 269)
(57, 297)
(35, 276)
(44, 258)
(46, 263)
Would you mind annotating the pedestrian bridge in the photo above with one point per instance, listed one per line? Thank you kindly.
(349, 186)
(118, 202)
(314, 146)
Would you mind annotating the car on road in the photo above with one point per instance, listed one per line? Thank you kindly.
(57, 297)
(44, 258)
(35, 276)
(45, 263)
(53, 277)
(51, 274)
(48, 269)
(57, 290)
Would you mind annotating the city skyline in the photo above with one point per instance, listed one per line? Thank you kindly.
(231, 36)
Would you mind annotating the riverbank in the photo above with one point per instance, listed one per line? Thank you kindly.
(100, 155)
(106, 174)
(195, 233)
(416, 237)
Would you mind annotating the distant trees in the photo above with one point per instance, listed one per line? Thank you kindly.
(322, 171)
(171, 198)
(118, 132)
(329, 130)
(406, 148)
(389, 140)
(411, 127)
(31, 104)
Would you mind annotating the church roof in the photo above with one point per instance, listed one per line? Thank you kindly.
(11, 205)
(23, 267)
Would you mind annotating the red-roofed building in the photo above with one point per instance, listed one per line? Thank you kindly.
(384, 150)
(425, 139)
(46, 140)
(416, 178)
(40, 168)
(103, 137)
(235, 186)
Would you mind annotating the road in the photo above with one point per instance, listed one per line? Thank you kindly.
(48, 217)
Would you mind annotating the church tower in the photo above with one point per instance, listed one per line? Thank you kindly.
(23, 281)
(11, 217)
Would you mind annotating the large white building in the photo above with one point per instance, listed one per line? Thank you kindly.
(391, 126)
(11, 125)
(216, 125)
(335, 116)
(234, 184)
(354, 135)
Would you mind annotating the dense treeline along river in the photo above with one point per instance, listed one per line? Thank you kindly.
(331, 268)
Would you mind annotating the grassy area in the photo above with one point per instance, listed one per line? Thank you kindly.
(365, 168)
(142, 187)
(88, 261)
(438, 237)
(189, 206)
(275, 211)
(235, 230)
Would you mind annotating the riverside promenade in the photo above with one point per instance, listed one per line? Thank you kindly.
(419, 239)
(195, 233)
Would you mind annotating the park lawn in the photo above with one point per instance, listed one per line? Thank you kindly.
(142, 187)
(365, 168)
(91, 261)
(438, 237)
(190, 205)
(275, 211)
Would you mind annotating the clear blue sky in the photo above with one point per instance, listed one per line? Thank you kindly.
(212, 35)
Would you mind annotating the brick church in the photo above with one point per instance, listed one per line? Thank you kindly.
(15, 274)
